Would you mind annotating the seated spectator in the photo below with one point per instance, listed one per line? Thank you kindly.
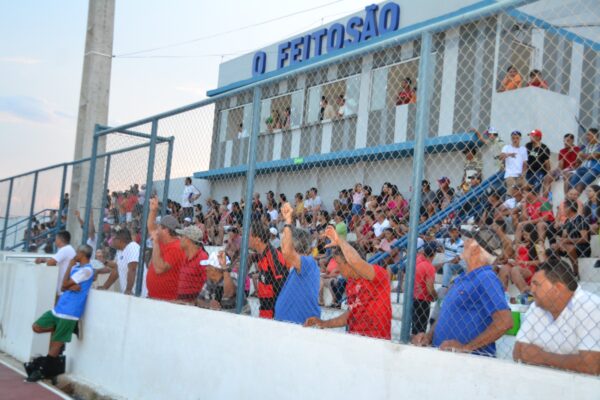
(512, 80)
(495, 211)
(272, 211)
(427, 196)
(538, 159)
(62, 320)
(514, 156)
(591, 211)
(536, 79)
(567, 163)
(424, 292)
(368, 292)
(561, 329)
(536, 211)
(340, 224)
(125, 264)
(219, 293)
(445, 193)
(167, 259)
(473, 164)
(364, 231)
(561, 212)
(406, 94)
(474, 313)
(330, 275)
(380, 224)
(589, 156)
(192, 275)
(453, 247)
(299, 297)
(574, 238)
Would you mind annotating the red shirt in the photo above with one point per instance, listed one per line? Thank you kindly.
(192, 277)
(370, 305)
(164, 286)
(404, 97)
(539, 209)
(270, 282)
(424, 271)
(568, 156)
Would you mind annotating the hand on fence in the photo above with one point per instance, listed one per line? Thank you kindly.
(313, 321)
(453, 345)
(421, 339)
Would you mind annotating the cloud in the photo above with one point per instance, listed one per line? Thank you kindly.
(20, 60)
(29, 109)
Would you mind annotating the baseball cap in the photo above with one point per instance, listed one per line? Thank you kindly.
(516, 133)
(536, 133)
(486, 238)
(444, 179)
(191, 232)
(169, 222)
(187, 219)
(213, 261)
(492, 130)
(273, 231)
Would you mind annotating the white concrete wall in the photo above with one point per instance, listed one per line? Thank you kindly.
(26, 292)
(144, 349)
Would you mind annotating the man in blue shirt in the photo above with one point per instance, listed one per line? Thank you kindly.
(62, 319)
(474, 313)
(299, 297)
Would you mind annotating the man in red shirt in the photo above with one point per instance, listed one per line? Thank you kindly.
(192, 276)
(272, 272)
(567, 163)
(538, 212)
(167, 256)
(368, 292)
(424, 292)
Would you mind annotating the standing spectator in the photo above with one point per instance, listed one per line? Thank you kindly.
(567, 163)
(271, 269)
(299, 297)
(328, 110)
(358, 196)
(590, 158)
(125, 264)
(574, 241)
(368, 292)
(62, 258)
(272, 211)
(511, 81)
(474, 313)
(341, 103)
(562, 328)
(220, 290)
(536, 79)
(453, 248)
(192, 275)
(514, 157)
(188, 197)
(445, 194)
(424, 292)
(167, 257)
(406, 94)
(61, 321)
(427, 197)
(538, 159)
(490, 138)
(241, 131)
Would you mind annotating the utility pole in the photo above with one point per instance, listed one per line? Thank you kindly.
(93, 107)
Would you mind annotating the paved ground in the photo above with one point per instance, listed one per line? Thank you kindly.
(13, 387)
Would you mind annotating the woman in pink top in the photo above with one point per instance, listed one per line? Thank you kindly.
(357, 199)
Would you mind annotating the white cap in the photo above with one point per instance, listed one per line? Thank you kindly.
(273, 230)
(187, 219)
(492, 130)
(213, 260)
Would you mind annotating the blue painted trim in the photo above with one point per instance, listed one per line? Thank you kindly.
(540, 23)
(350, 47)
(376, 153)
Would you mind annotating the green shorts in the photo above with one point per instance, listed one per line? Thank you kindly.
(62, 328)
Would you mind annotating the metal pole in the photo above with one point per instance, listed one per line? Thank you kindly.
(61, 203)
(149, 177)
(165, 198)
(421, 132)
(99, 227)
(31, 209)
(243, 272)
(7, 214)
(90, 188)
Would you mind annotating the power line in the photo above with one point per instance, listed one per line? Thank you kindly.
(225, 32)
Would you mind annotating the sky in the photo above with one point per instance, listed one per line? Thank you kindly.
(41, 58)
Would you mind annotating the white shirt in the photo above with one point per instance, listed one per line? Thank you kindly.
(92, 243)
(131, 253)
(379, 227)
(308, 203)
(577, 328)
(63, 257)
(185, 197)
(510, 203)
(273, 214)
(452, 250)
(513, 166)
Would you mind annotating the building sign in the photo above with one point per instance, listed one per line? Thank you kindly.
(376, 22)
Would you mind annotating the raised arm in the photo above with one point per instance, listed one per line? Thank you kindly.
(291, 256)
(362, 268)
(151, 223)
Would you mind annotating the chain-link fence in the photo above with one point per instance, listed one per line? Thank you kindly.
(437, 188)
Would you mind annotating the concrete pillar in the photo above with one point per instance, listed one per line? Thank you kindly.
(93, 106)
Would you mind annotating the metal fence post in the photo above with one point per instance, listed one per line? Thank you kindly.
(90, 188)
(31, 209)
(243, 272)
(421, 132)
(7, 213)
(149, 178)
(61, 203)
(99, 230)
(165, 198)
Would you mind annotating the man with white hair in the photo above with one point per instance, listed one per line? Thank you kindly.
(475, 313)
(219, 293)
